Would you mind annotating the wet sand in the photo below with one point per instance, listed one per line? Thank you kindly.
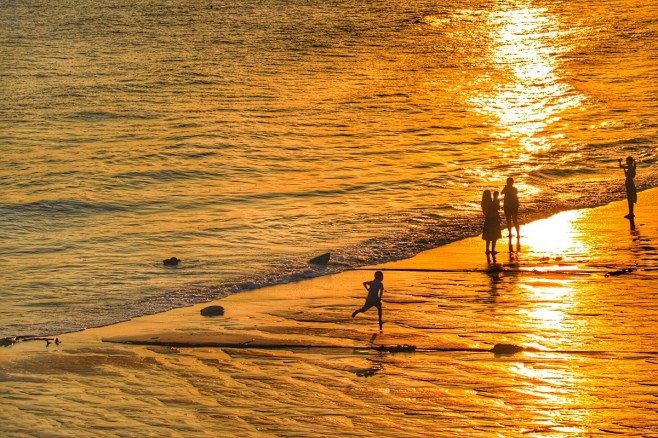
(578, 296)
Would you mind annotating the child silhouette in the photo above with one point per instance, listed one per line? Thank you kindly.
(375, 290)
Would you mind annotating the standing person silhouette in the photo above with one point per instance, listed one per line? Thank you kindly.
(511, 208)
(495, 216)
(491, 229)
(631, 191)
(375, 290)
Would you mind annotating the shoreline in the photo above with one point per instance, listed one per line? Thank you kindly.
(420, 265)
(534, 216)
(469, 260)
(557, 337)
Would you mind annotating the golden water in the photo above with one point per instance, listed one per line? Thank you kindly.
(246, 137)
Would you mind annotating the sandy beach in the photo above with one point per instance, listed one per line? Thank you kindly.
(577, 295)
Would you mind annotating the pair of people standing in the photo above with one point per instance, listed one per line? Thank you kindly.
(491, 206)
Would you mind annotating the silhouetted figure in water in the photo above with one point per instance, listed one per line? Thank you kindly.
(491, 229)
(511, 209)
(375, 290)
(631, 191)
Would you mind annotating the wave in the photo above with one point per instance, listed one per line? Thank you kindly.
(60, 207)
(99, 116)
(167, 175)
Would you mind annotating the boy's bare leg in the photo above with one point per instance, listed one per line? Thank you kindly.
(379, 312)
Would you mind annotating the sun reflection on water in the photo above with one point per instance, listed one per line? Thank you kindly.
(550, 305)
(554, 245)
(556, 237)
(565, 405)
(554, 381)
(525, 92)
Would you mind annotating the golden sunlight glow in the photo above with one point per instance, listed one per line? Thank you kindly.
(556, 236)
(526, 93)
(558, 387)
(550, 303)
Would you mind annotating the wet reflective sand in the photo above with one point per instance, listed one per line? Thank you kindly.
(579, 298)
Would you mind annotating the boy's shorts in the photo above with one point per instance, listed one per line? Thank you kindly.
(369, 304)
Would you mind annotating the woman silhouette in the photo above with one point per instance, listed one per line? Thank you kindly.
(491, 229)
(631, 191)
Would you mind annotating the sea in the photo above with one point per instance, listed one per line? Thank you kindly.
(247, 137)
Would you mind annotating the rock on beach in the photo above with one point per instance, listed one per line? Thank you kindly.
(212, 311)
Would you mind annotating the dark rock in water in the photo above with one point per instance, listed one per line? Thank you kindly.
(321, 259)
(397, 348)
(6, 342)
(212, 311)
(506, 349)
(367, 373)
(619, 272)
(171, 262)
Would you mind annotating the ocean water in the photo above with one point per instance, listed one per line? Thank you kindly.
(247, 137)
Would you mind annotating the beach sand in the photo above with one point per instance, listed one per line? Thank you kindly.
(579, 296)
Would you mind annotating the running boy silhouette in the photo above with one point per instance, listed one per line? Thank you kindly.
(375, 290)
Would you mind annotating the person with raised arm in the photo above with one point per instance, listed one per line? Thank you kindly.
(631, 191)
